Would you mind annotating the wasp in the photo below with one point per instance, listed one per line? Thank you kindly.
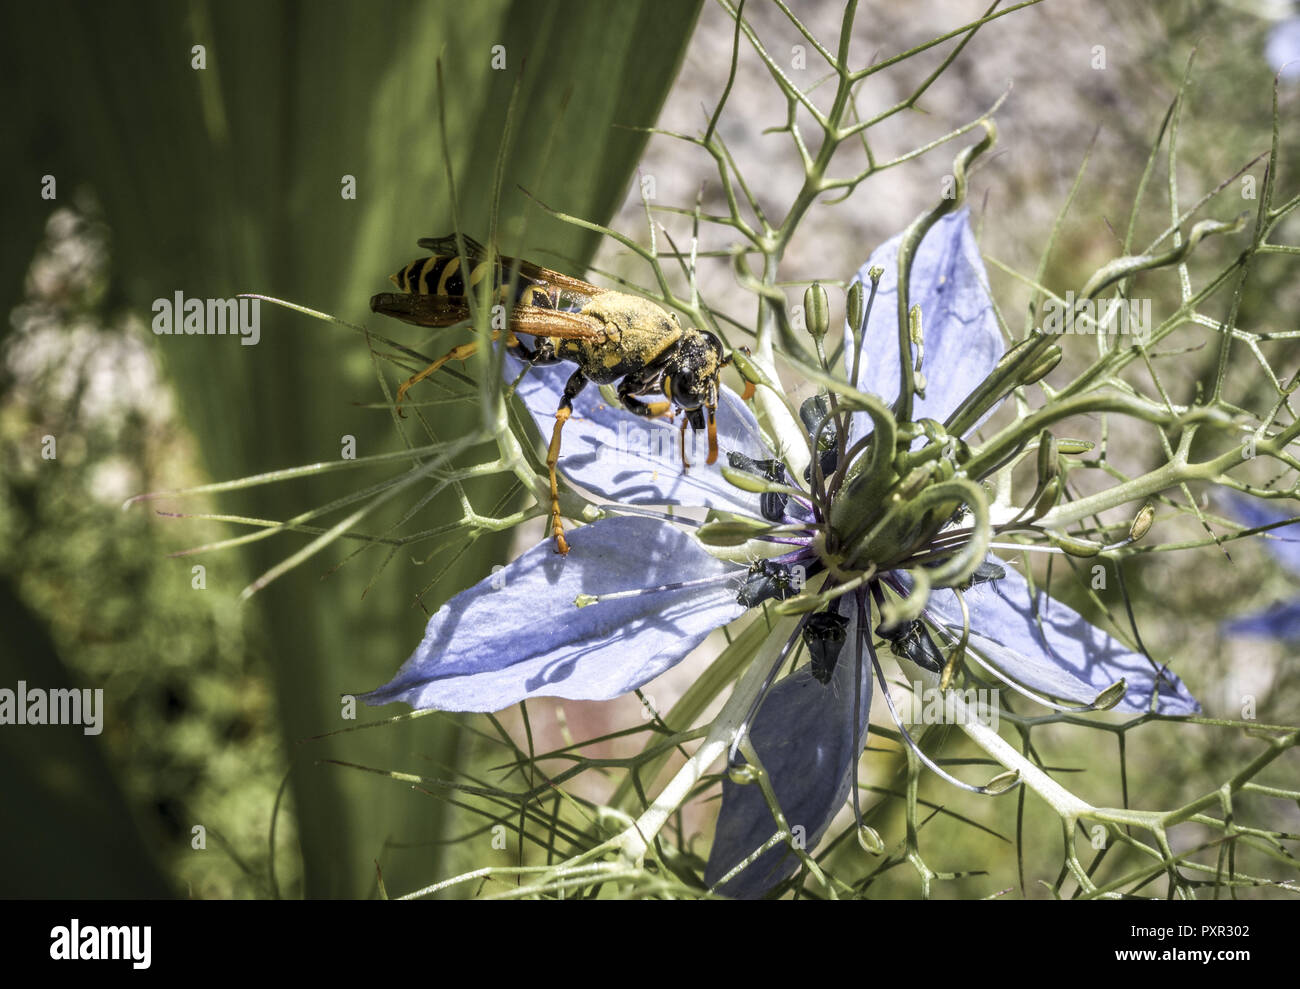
(611, 336)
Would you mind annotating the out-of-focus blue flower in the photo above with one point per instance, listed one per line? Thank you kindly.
(657, 591)
(1283, 48)
(1281, 620)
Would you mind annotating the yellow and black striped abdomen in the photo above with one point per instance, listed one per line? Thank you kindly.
(441, 275)
(438, 276)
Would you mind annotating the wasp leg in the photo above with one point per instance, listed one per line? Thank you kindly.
(711, 413)
(574, 385)
(695, 419)
(542, 354)
(461, 353)
(627, 390)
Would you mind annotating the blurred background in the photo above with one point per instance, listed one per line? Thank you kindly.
(210, 149)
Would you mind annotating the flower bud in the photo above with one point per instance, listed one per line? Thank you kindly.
(1002, 782)
(1074, 545)
(1111, 696)
(748, 369)
(854, 308)
(729, 532)
(1048, 499)
(1072, 447)
(746, 481)
(1049, 461)
(1142, 522)
(1044, 366)
(917, 336)
(817, 310)
(870, 840)
(741, 775)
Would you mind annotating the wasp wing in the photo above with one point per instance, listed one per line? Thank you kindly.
(439, 310)
(540, 322)
(446, 247)
(420, 310)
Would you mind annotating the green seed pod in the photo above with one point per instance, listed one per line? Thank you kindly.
(746, 481)
(748, 369)
(728, 533)
(741, 775)
(1044, 366)
(1069, 446)
(1011, 356)
(854, 307)
(1049, 460)
(817, 310)
(1048, 499)
(1002, 782)
(1075, 546)
(870, 840)
(800, 604)
(1111, 696)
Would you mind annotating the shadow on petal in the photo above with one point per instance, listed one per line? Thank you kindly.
(960, 330)
(1039, 642)
(805, 736)
(518, 634)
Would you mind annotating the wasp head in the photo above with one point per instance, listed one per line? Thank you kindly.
(692, 378)
(691, 383)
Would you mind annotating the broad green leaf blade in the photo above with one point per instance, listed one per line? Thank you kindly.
(228, 179)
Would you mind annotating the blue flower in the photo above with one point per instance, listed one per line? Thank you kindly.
(653, 592)
(519, 634)
(1283, 48)
(1281, 620)
(805, 737)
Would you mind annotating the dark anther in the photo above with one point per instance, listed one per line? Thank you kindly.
(812, 412)
(771, 503)
(825, 634)
(767, 580)
(983, 574)
(829, 460)
(738, 461)
(912, 641)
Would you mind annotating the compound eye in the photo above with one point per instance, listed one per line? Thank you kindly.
(681, 389)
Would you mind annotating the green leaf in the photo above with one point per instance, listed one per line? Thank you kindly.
(227, 179)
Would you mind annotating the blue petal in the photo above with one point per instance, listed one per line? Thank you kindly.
(805, 736)
(518, 634)
(1281, 621)
(1283, 542)
(1048, 647)
(1283, 48)
(960, 331)
(637, 461)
